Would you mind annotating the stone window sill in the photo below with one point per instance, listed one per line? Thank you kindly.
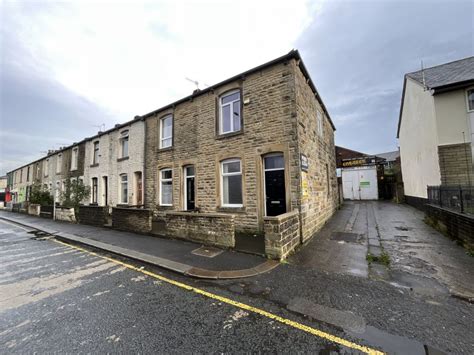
(228, 135)
(231, 209)
(123, 158)
(159, 150)
(94, 165)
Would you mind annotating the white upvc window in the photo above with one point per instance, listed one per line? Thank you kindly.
(470, 99)
(229, 112)
(166, 187)
(231, 183)
(59, 162)
(74, 157)
(166, 131)
(124, 144)
(319, 122)
(124, 188)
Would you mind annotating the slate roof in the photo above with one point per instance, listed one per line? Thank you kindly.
(389, 156)
(443, 75)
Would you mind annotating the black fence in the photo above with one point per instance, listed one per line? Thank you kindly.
(457, 198)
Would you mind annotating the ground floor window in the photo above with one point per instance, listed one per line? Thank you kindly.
(231, 172)
(166, 187)
(124, 188)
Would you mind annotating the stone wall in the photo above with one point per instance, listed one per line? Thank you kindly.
(207, 228)
(282, 234)
(318, 198)
(455, 164)
(65, 214)
(34, 209)
(454, 224)
(132, 219)
(92, 215)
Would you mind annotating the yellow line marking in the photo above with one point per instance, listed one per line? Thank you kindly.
(299, 326)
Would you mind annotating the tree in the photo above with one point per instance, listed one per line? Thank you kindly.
(40, 195)
(75, 192)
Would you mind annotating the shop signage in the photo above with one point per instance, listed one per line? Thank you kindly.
(304, 162)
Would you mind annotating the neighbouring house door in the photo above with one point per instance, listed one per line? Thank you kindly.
(106, 188)
(275, 194)
(139, 189)
(189, 189)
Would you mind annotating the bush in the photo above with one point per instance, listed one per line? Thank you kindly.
(41, 196)
(74, 193)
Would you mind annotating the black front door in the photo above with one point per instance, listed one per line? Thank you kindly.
(190, 193)
(275, 196)
(189, 186)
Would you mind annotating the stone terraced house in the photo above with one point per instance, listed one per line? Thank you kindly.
(246, 163)
(258, 147)
(113, 165)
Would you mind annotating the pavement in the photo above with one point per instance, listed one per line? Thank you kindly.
(183, 257)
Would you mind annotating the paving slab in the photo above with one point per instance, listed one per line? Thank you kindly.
(175, 255)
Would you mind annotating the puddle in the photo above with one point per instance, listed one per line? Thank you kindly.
(403, 228)
(40, 235)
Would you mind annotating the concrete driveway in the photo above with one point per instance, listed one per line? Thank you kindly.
(420, 258)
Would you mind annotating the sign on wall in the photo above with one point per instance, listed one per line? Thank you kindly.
(304, 163)
(304, 186)
(346, 163)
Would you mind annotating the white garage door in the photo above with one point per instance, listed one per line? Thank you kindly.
(360, 183)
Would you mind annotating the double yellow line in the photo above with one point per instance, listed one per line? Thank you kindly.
(293, 324)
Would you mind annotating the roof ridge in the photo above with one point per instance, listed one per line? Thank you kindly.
(440, 65)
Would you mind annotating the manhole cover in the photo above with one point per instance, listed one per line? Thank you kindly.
(345, 237)
(208, 252)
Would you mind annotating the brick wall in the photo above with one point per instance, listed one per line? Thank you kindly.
(92, 215)
(318, 199)
(455, 225)
(282, 234)
(207, 228)
(132, 219)
(455, 164)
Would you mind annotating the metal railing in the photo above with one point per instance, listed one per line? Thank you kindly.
(457, 198)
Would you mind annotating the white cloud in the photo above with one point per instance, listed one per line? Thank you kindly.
(133, 57)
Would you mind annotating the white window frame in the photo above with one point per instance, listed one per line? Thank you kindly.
(467, 99)
(59, 163)
(121, 189)
(231, 104)
(161, 186)
(232, 160)
(162, 138)
(74, 158)
(319, 122)
(124, 136)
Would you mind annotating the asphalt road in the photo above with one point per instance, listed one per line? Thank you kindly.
(57, 298)
(54, 299)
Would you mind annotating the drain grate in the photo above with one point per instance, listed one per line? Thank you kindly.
(208, 252)
(345, 237)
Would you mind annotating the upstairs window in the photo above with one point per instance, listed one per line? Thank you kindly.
(28, 174)
(124, 144)
(95, 153)
(231, 173)
(59, 163)
(74, 157)
(166, 131)
(470, 99)
(229, 113)
(166, 187)
(46, 167)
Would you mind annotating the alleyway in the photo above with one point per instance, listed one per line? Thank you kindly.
(420, 258)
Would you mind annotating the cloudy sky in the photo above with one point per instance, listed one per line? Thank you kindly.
(66, 68)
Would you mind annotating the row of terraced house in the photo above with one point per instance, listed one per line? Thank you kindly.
(248, 161)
